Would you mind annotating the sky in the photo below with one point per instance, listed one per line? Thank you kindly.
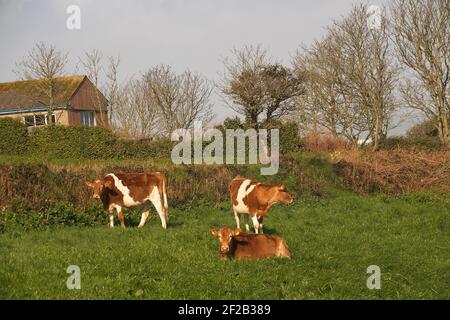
(186, 34)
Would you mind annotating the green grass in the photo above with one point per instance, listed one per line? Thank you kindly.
(333, 240)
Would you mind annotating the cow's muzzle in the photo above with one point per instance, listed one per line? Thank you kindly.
(224, 250)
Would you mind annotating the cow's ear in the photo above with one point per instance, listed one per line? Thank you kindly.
(281, 186)
(108, 184)
(236, 232)
(214, 232)
(89, 184)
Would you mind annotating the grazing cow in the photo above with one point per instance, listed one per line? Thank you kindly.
(124, 190)
(254, 199)
(234, 244)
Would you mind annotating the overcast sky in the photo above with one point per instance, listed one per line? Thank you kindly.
(192, 34)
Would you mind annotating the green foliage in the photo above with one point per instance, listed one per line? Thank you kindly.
(81, 143)
(13, 136)
(73, 142)
(420, 142)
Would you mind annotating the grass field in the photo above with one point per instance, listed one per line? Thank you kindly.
(333, 239)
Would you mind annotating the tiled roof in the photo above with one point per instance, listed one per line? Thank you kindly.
(29, 94)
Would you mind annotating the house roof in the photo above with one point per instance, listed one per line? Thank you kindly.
(29, 95)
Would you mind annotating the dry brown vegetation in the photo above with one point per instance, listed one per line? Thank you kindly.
(324, 142)
(394, 171)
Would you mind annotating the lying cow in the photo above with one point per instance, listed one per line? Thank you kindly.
(124, 190)
(254, 199)
(234, 244)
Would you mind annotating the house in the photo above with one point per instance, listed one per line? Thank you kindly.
(76, 101)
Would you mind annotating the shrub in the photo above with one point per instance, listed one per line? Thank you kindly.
(13, 135)
(422, 142)
(289, 135)
(424, 129)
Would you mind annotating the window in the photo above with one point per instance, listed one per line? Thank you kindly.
(37, 120)
(29, 121)
(87, 118)
(53, 119)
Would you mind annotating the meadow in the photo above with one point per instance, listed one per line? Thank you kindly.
(334, 239)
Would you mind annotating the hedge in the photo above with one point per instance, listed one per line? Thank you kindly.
(81, 142)
(13, 137)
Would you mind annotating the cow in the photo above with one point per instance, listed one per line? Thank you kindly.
(125, 190)
(237, 245)
(254, 199)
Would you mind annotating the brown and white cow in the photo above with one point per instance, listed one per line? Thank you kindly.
(125, 190)
(234, 244)
(254, 199)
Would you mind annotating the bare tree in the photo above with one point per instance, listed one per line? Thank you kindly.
(135, 114)
(352, 78)
(181, 99)
(43, 63)
(421, 33)
(369, 68)
(112, 89)
(92, 65)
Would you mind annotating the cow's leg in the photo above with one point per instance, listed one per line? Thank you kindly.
(111, 220)
(111, 216)
(120, 216)
(247, 227)
(255, 223)
(144, 217)
(261, 225)
(237, 217)
(155, 198)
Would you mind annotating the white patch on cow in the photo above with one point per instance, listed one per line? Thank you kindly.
(128, 201)
(242, 193)
(111, 220)
(143, 219)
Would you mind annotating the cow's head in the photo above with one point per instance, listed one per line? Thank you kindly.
(98, 186)
(281, 194)
(225, 235)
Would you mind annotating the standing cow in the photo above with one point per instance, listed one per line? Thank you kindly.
(254, 199)
(125, 190)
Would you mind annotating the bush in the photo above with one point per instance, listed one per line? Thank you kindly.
(289, 135)
(424, 129)
(13, 135)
